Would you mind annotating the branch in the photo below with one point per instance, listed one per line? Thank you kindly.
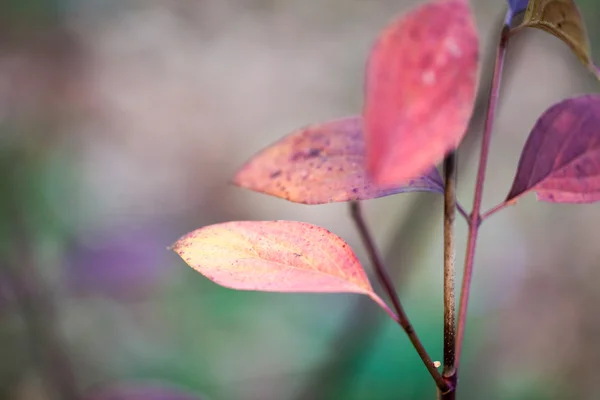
(462, 212)
(388, 286)
(449, 274)
(494, 210)
(354, 340)
(475, 217)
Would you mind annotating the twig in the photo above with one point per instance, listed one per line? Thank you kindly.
(494, 210)
(462, 211)
(475, 217)
(357, 335)
(388, 286)
(449, 274)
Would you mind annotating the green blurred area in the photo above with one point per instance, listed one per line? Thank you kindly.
(90, 297)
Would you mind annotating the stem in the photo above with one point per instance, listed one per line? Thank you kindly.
(357, 335)
(388, 286)
(449, 273)
(494, 210)
(475, 217)
(462, 211)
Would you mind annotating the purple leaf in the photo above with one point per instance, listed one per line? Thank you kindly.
(561, 158)
(323, 163)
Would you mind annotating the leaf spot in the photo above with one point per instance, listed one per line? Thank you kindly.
(306, 154)
(453, 47)
(428, 77)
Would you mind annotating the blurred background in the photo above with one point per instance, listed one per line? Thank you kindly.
(121, 124)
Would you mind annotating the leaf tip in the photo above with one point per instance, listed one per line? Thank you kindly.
(237, 180)
(174, 247)
(179, 244)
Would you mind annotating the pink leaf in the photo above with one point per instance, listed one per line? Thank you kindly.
(323, 163)
(561, 158)
(275, 256)
(420, 89)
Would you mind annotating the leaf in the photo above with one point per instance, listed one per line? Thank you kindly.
(275, 256)
(562, 19)
(323, 163)
(420, 90)
(561, 158)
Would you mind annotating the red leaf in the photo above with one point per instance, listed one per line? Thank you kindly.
(561, 158)
(321, 164)
(420, 89)
(275, 256)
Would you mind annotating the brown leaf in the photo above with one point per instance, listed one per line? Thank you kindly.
(275, 256)
(323, 163)
(562, 19)
(561, 158)
(420, 89)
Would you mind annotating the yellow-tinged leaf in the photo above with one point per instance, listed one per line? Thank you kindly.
(323, 163)
(562, 19)
(275, 256)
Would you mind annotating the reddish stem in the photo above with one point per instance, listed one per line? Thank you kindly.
(475, 216)
(494, 210)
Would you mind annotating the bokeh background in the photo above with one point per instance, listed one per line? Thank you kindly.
(121, 124)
